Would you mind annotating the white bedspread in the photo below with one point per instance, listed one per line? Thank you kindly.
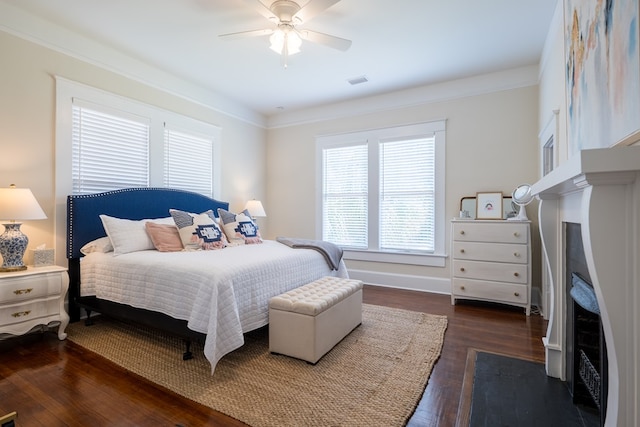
(222, 293)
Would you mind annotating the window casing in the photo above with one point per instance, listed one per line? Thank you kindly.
(382, 193)
(105, 141)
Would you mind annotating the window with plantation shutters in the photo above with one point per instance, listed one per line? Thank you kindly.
(187, 161)
(110, 149)
(382, 192)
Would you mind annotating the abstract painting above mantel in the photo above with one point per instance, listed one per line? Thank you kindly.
(602, 73)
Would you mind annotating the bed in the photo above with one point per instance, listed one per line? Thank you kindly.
(213, 295)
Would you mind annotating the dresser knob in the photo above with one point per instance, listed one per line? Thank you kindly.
(461, 268)
(516, 274)
(461, 231)
(22, 291)
(516, 234)
(516, 294)
(462, 288)
(461, 251)
(516, 254)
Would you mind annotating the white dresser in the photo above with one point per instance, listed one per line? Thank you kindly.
(491, 261)
(33, 297)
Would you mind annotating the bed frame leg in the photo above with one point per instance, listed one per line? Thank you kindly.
(187, 355)
(88, 321)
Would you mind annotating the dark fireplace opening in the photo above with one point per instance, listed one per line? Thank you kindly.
(586, 355)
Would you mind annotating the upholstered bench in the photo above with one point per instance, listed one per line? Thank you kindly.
(307, 322)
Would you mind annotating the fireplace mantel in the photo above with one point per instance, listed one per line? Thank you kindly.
(600, 190)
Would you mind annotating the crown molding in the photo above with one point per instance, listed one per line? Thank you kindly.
(422, 95)
(57, 38)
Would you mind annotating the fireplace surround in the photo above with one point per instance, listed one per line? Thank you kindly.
(600, 190)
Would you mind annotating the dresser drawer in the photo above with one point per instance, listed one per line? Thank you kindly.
(503, 232)
(29, 287)
(18, 313)
(498, 252)
(492, 291)
(514, 273)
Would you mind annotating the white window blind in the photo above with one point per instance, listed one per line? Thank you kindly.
(382, 195)
(110, 149)
(188, 160)
(345, 196)
(407, 195)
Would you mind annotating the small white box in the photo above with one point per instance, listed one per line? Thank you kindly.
(42, 257)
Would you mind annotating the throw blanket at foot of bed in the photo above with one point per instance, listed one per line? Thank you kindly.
(331, 252)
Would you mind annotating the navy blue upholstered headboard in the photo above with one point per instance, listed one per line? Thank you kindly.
(84, 224)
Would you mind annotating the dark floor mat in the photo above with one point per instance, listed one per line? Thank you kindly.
(514, 392)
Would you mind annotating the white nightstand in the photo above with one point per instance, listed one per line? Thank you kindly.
(33, 297)
(491, 261)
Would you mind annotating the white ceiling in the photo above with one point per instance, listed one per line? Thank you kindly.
(397, 44)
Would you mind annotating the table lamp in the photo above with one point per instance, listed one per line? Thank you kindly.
(255, 208)
(16, 204)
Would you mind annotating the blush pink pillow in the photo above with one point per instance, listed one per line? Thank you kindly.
(165, 238)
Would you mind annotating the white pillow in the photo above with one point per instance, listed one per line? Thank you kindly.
(102, 244)
(128, 235)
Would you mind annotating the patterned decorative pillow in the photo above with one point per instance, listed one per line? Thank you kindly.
(199, 231)
(239, 228)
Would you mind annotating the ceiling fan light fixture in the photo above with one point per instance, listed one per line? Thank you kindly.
(285, 42)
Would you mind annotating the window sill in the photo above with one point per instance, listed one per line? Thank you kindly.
(427, 260)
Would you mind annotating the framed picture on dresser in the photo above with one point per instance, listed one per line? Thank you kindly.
(489, 205)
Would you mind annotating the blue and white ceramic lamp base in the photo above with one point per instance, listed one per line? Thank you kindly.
(13, 244)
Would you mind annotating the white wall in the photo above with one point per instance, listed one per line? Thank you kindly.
(552, 84)
(27, 120)
(491, 146)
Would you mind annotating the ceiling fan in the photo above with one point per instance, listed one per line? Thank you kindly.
(286, 37)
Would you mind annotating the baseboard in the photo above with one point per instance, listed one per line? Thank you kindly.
(437, 285)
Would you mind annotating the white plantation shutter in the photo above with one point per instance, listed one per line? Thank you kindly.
(188, 159)
(110, 149)
(407, 195)
(345, 196)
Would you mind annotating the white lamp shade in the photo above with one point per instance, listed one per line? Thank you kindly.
(255, 208)
(18, 204)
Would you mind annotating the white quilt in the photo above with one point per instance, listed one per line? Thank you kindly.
(222, 293)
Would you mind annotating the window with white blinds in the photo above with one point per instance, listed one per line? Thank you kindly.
(382, 190)
(107, 142)
(345, 195)
(187, 161)
(110, 149)
(407, 194)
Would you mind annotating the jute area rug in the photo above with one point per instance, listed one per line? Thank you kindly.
(373, 377)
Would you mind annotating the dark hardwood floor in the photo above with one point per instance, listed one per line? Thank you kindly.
(53, 383)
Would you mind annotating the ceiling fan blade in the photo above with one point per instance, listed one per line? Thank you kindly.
(245, 34)
(313, 8)
(325, 39)
(262, 9)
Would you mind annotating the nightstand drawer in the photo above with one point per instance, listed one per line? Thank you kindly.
(22, 288)
(497, 252)
(503, 232)
(513, 273)
(18, 313)
(491, 291)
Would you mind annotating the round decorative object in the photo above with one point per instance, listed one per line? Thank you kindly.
(522, 196)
